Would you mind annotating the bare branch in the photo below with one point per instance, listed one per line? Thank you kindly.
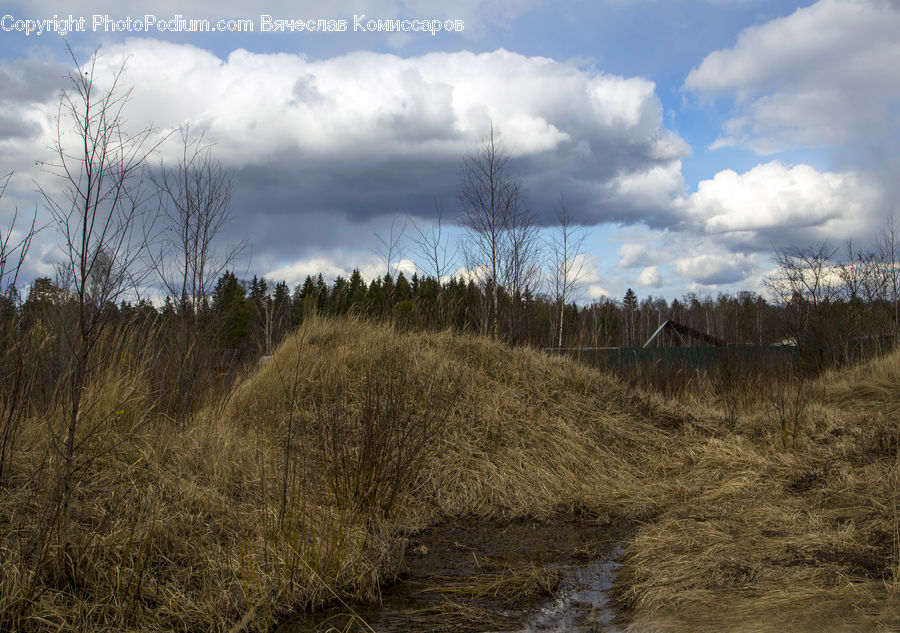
(434, 248)
(567, 261)
(105, 225)
(195, 201)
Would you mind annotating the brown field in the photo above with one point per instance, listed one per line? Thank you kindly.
(298, 488)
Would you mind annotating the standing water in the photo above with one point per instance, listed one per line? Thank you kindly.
(488, 576)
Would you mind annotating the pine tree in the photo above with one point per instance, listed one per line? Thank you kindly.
(402, 289)
(339, 299)
(304, 300)
(357, 292)
(232, 312)
(630, 306)
(281, 303)
(321, 299)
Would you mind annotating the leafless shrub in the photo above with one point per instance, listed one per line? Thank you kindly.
(102, 218)
(788, 399)
(375, 448)
(16, 363)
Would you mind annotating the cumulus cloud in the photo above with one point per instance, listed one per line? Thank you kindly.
(326, 151)
(326, 264)
(632, 254)
(323, 145)
(596, 291)
(818, 77)
(779, 204)
(31, 80)
(716, 268)
(650, 277)
(672, 261)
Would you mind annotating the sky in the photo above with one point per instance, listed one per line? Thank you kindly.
(690, 138)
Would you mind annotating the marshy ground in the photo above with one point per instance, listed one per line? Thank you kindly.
(319, 483)
(470, 576)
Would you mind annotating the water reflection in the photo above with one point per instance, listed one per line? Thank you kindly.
(488, 576)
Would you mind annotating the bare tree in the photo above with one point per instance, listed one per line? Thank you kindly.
(13, 245)
(803, 285)
(567, 261)
(887, 247)
(438, 257)
(15, 364)
(490, 198)
(873, 276)
(432, 244)
(521, 267)
(390, 253)
(195, 200)
(101, 215)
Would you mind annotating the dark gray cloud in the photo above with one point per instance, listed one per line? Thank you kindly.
(366, 136)
(32, 80)
(14, 126)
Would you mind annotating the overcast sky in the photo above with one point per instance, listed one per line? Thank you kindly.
(692, 137)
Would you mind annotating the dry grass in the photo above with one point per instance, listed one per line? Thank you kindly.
(255, 509)
(756, 538)
(454, 617)
(512, 586)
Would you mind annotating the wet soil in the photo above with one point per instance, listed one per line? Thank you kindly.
(478, 576)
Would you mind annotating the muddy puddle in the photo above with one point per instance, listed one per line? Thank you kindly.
(482, 577)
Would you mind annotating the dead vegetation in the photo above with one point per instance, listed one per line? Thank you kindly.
(511, 586)
(454, 617)
(295, 490)
(755, 537)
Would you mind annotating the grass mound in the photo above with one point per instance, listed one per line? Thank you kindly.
(505, 432)
(874, 383)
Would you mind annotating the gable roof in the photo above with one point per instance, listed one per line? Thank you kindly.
(683, 331)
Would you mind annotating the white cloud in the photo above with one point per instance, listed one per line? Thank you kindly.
(320, 145)
(339, 263)
(649, 277)
(652, 188)
(595, 291)
(375, 105)
(774, 202)
(823, 75)
(716, 268)
(632, 254)
(295, 272)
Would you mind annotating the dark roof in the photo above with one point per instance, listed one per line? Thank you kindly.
(684, 331)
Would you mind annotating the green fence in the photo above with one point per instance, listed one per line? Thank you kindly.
(814, 357)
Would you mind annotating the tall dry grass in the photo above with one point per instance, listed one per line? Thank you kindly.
(755, 537)
(297, 487)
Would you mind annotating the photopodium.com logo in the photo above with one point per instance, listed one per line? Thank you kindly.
(149, 23)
